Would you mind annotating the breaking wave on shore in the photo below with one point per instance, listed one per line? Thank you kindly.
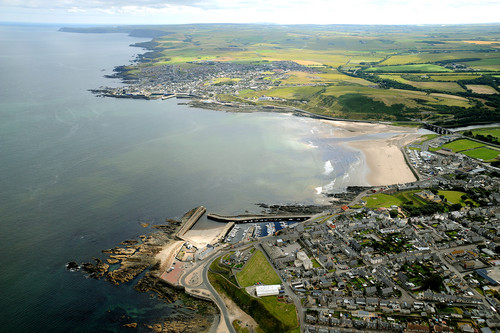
(328, 168)
(344, 174)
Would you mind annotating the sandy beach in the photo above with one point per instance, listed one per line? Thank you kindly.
(201, 237)
(384, 160)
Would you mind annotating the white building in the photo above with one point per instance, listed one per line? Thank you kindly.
(270, 290)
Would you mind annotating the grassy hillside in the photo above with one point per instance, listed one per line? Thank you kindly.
(442, 74)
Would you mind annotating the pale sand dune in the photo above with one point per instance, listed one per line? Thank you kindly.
(385, 161)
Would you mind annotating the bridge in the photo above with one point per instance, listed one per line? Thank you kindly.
(437, 129)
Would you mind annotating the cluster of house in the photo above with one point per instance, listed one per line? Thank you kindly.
(201, 79)
(360, 261)
(441, 161)
(352, 325)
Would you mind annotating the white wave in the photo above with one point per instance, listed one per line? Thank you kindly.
(310, 144)
(328, 168)
(330, 186)
(319, 190)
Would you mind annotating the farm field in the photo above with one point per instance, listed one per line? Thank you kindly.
(336, 64)
(429, 57)
(492, 64)
(419, 68)
(481, 89)
(452, 87)
(257, 269)
(453, 77)
(493, 131)
(409, 98)
(291, 93)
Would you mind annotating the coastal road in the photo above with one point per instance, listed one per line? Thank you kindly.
(205, 284)
(218, 300)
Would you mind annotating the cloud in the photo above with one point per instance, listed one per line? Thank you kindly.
(278, 11)
(99, 4)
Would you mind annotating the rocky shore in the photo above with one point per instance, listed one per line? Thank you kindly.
(133, 257)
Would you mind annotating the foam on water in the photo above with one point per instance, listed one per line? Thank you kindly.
(311, 145)
(328, 168)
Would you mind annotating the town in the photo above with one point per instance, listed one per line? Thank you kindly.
(415, 257)
(203, 79)
(419, 256)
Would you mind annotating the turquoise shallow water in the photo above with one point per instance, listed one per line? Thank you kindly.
(79, 173)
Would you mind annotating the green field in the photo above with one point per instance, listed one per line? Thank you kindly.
(453, 197)
(462, 144)
(398, 68)
(381, 200)
(385, 200)
(418, 68)
(486, 64)
(292, 93)
(286, 312)
(430, 57)
(453, 77)
(452, 87)
(483, 153)
(270, 314)
(257, 269)
(409, 196)
(493, 131)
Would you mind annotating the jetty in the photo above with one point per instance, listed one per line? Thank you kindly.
(258, 218)
(197, 213)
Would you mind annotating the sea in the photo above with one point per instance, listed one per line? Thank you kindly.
(80, 173)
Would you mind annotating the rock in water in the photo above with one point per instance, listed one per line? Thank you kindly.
(72, 266)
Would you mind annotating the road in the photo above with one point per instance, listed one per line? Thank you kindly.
(218, 300)
(205, 284)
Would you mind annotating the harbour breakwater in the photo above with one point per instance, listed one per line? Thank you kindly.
(196, 214)
(258, 218)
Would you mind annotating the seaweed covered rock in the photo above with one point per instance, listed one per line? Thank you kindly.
(97, 270)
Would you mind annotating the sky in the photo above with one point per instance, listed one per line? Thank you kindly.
(101, 12)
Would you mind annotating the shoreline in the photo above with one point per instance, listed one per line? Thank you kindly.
(385, 163)
(384, 160)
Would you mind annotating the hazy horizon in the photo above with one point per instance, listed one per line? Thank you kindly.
(323, 12)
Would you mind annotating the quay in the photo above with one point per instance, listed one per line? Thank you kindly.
(222, 234)
(258, 218)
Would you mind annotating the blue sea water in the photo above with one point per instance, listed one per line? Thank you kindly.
(79, 173)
